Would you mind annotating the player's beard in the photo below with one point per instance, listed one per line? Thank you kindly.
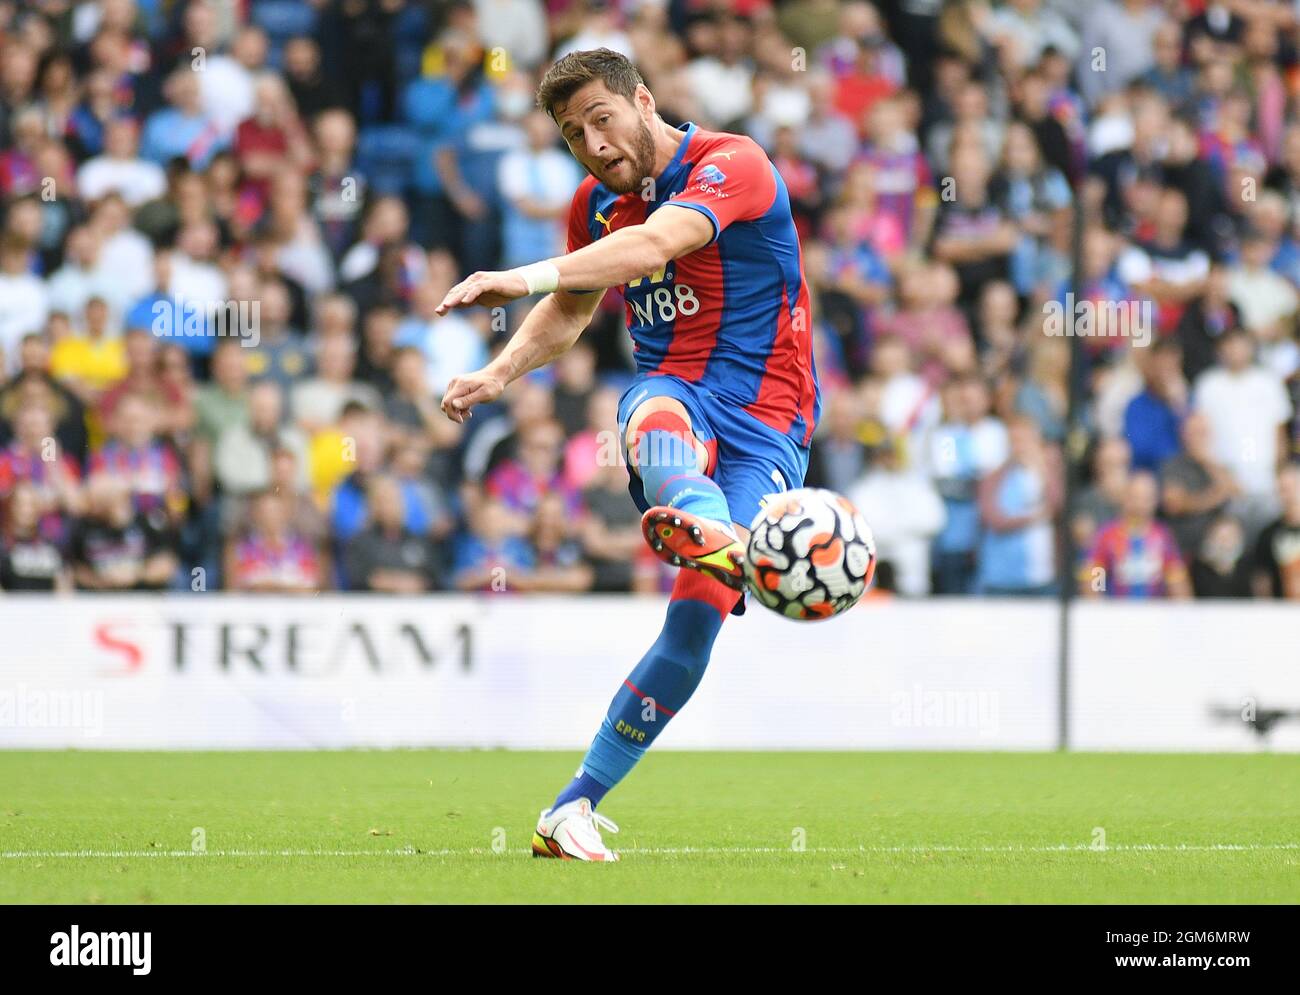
(642, 160)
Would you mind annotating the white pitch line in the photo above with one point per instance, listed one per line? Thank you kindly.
(658, 851)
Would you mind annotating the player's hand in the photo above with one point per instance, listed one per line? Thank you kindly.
(489, 289)
(471, 389)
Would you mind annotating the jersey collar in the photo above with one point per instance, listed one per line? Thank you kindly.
(689, 129)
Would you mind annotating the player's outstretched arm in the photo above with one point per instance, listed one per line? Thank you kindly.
(549, 330)
(612, 261)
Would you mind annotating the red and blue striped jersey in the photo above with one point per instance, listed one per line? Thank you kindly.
(733, 316)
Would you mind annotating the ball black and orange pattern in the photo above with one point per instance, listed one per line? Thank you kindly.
(810, 554)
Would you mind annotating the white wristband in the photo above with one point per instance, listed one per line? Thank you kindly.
(541, 278)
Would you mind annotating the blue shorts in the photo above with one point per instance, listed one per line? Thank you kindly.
(753, 460)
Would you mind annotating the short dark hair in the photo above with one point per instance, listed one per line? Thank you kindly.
(571, 73)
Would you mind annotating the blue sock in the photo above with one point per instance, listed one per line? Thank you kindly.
(582, 786)
(652, 694)
(670, 473)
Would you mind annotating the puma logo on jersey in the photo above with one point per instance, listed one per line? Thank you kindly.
(601, 218)
(724, 155)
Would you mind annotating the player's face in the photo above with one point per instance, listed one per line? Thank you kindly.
(610, 134)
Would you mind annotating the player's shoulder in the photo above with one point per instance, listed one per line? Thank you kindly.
(709, 145)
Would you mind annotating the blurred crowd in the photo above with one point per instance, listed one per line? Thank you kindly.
(225, 226)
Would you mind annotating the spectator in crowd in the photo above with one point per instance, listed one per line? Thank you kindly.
(120, 169)
(314, 91)
(91, 361)
(234, 54)
(1195, 488)
(271, 138)
(906, 511)
(182, 128)
(610, 532)
(80, 277)
(377, 353)
(242, 459)
(30, 559)
(349, 502)
(852, 277)
(125, 254)
(271, 556)
(302, 515)
(492, 556)
(1018, 502)
(1204, 323)
(575, 383)
(279, 352)
(559, 566)
(410, 465)
(1277, 551)
(1152, 418)
(1027, 28)
(115, 547)
(26, 299)
(1248, 411)
(1263, 297)
(966, 446)
(219, 405)
(145, 378)
(1117, 46)
(927, 319)
(1037, 198)
(317, 402)
(537, 184)
(410, 406)
(520, 483)
(909, 407)
(384, 224)
(901, 180)
(1165, 267)
(1101, 499)
(597, 443)
(971, 122)
(337, 189)
(1221, 565)
(451, 344)
(1168, 76)
(973, 233)
(1135, 556)
(135, 454)
(1043, 393)
(839, 457)
(33, 386)
(34, 458)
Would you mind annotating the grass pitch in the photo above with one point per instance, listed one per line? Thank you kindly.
(449, 826)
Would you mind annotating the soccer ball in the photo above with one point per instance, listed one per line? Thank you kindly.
(810, 554)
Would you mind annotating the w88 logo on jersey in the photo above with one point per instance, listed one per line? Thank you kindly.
(655, 300)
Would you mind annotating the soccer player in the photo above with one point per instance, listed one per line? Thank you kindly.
(695, 226)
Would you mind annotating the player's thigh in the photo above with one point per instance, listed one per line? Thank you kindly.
(755, 467)
(669, 407)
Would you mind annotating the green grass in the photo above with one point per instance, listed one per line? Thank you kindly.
(419, 826)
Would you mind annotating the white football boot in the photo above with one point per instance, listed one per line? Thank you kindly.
(572, 832)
